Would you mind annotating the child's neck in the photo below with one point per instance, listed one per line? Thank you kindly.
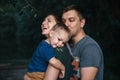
(47, 40)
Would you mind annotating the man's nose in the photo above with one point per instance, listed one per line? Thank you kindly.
(67, 23)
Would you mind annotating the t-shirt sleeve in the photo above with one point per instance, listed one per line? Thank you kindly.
(47, 53)
(91, 56)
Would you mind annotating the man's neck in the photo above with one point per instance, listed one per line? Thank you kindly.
(78, 37)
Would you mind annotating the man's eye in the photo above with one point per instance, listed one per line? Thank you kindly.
(49, 20)
(71, 20)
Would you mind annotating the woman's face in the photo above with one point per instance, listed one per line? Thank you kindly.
(47, 24)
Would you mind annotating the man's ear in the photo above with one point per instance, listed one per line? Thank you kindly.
(83, 22)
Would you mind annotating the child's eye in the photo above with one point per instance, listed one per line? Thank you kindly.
(59, 39)
(63, 42)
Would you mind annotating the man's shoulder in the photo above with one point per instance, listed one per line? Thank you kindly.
(87, 40)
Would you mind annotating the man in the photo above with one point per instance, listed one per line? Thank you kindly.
(84, 48)
(88, 58)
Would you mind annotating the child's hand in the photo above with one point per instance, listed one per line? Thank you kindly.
(62, 74)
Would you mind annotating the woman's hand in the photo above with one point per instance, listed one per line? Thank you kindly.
(62, 74)
(26, 77)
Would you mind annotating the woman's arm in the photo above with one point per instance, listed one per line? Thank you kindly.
(26, 77)
(64, 56)
(51, 73)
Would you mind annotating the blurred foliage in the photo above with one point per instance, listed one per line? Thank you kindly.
(20, 32)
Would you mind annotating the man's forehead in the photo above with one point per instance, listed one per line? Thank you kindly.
(69, 14)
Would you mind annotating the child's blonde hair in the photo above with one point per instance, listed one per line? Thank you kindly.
(62, 26)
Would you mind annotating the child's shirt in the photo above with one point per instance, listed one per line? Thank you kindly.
(41, 57)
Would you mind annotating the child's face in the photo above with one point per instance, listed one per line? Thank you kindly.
(58, 38)
(47, 24)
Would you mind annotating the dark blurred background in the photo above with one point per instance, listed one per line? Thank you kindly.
(20, 32)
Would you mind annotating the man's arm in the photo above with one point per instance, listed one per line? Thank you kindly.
(88, 73)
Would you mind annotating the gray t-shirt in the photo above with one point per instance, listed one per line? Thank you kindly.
(90, 54)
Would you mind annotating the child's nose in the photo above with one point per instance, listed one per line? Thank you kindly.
(60, 44)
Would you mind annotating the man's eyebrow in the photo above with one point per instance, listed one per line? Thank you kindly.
(72, 17)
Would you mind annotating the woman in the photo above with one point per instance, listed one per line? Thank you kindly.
(62, 53)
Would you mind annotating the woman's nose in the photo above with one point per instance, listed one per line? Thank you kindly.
(43, 22)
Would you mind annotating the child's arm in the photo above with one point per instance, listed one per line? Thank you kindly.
(57, 64)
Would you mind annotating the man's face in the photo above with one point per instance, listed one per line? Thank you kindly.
(72, 21)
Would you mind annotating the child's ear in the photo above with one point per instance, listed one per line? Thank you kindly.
(51, 33)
